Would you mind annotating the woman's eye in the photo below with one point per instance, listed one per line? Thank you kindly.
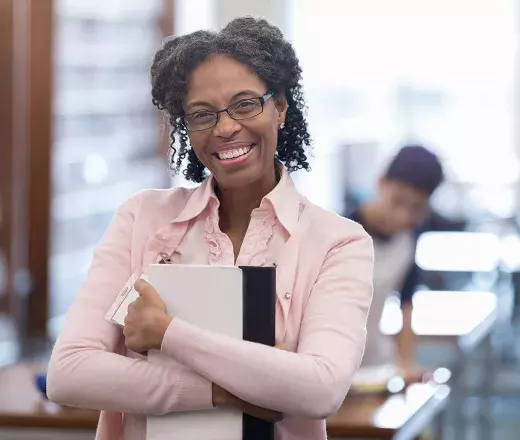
(201, 115)
(245, 105)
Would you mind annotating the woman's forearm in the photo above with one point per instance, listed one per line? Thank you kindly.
(290, 383)
(95, 379)
(406, 340)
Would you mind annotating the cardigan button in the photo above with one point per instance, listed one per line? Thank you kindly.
(287, 295)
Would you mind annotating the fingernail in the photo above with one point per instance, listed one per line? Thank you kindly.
(139, 284)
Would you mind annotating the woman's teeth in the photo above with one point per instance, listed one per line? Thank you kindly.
(231, 154)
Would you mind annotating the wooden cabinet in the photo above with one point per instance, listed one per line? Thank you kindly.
(25, 130)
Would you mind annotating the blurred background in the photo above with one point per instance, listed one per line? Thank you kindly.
(79, 135)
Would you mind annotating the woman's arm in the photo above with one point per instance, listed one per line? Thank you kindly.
(406, 341)
(85, 370)
(406, 338)
(312, 382)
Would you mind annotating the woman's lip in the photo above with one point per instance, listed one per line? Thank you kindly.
(235, 160)
(234, 146)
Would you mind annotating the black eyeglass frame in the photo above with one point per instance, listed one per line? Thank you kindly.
(263, 99)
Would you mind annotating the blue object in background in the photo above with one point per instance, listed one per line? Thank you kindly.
(41, 383)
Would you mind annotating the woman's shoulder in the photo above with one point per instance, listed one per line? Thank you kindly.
(167, 203)
(178, 195)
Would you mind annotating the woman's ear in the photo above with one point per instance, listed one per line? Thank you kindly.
(281, 105)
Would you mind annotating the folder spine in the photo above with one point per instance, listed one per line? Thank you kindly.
(259, 306)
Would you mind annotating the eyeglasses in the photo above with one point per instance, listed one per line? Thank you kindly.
(240, 110)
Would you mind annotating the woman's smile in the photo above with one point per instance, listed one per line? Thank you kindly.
(236, 155)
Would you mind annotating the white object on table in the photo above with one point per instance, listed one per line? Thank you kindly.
(458, 251)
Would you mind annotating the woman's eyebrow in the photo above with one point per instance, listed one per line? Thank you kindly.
(241, 94)
(198, 104)
(244, 93)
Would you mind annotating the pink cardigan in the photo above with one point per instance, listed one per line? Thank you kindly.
(324, 288)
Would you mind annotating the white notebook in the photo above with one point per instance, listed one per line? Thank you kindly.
(209, 297)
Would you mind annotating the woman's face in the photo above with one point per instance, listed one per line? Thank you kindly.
(237, 152)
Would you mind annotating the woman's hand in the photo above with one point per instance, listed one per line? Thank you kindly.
(221, 397)
(146, 321)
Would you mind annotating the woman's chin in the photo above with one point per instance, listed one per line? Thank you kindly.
(246, 176)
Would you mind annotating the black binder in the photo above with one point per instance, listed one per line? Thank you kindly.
(259, 303)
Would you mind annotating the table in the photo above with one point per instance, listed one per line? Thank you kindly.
(400, 416)
(465, 321)
(25, 412)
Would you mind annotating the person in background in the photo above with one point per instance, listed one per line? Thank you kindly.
(394, 220)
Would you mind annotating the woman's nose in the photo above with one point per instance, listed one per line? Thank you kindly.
(226, 126)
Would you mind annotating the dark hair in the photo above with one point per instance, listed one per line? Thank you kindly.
(258, 45)
(417, 166)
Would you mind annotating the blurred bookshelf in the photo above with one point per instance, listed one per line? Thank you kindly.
(106, 130)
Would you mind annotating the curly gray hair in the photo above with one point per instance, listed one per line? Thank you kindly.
(258, 45)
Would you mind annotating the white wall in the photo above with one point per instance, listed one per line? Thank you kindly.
(272, 10)
(192, 15)
(397, 71)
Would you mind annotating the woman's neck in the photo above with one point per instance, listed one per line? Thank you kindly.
(236, 204)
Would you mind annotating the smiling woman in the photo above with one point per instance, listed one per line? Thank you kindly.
(245, 59)
(235, 106)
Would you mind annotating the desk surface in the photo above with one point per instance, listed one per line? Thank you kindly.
(22, 405)
(401, 416)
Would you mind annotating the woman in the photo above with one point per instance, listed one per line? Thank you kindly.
(234, 102)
